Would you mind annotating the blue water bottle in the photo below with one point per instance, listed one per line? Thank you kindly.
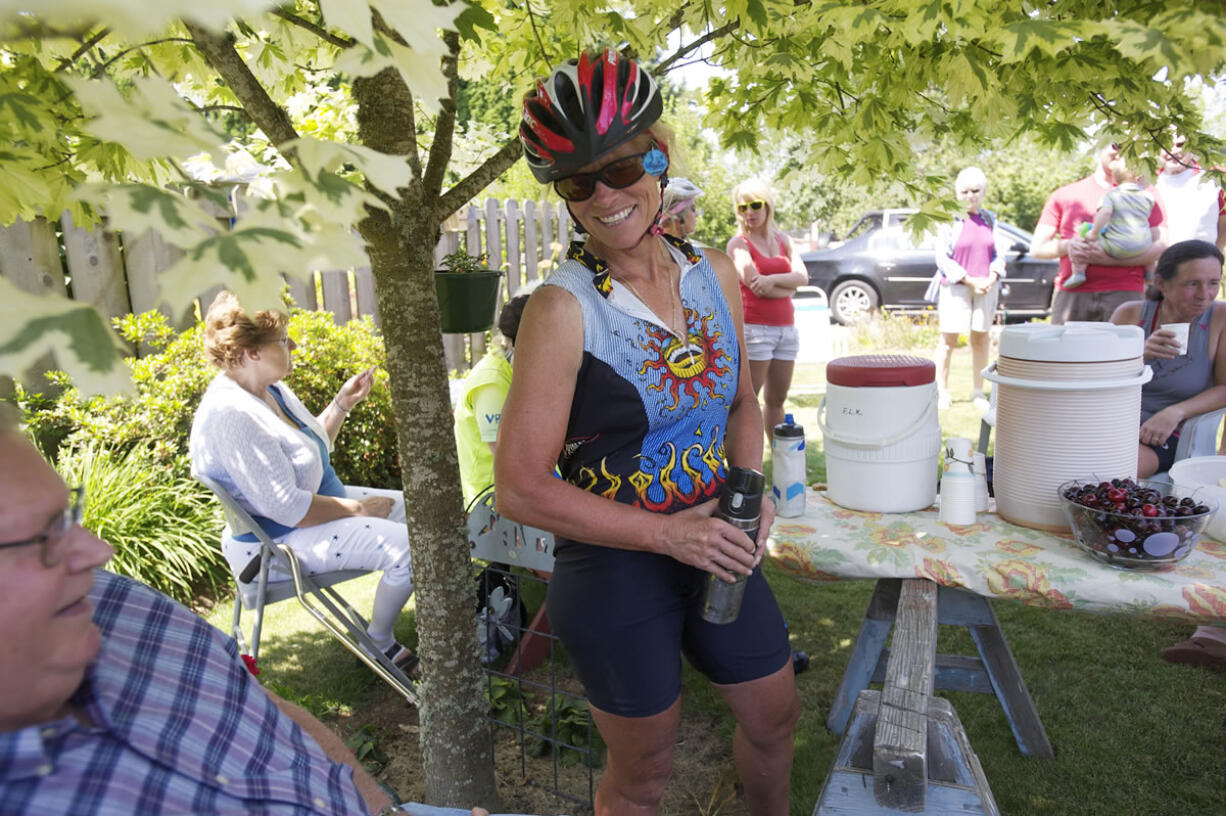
(788, 475)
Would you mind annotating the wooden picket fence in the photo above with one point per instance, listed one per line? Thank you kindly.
(119, 275)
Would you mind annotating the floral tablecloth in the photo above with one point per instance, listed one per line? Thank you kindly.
(995, 559)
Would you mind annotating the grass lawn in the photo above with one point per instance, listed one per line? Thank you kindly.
(1132, 734)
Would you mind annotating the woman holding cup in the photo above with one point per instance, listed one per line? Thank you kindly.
(1188, 360)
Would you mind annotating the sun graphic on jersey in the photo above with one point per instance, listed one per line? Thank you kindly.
(693, 365)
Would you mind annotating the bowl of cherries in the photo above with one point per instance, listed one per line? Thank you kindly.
(1135, 524)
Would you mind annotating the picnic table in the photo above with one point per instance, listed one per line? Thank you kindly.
(971, 565)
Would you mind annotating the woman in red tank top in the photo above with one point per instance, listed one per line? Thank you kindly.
(770, 270)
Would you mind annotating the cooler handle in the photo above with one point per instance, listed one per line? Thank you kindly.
(990, 374)
(865, 442)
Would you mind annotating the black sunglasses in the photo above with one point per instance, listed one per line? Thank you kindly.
(616, 174)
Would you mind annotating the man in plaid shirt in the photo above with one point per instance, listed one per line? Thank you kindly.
(115, 699)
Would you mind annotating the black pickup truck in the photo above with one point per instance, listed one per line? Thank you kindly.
(879, 265)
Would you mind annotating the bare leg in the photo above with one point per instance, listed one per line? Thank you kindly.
(945, 352)
(766, 712)
(757, 373)
(778, 382)
(979, 359)
(639, 760)
(1077, 277)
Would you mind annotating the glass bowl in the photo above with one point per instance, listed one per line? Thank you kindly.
(1135, 524)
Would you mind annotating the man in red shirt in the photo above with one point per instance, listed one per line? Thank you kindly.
(1109, 281)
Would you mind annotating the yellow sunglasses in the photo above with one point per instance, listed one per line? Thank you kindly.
(750, 205)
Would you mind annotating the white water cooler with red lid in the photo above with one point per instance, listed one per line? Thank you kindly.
(1068, 406)
(880, 432)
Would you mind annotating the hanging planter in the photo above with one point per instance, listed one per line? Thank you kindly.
(467, 294)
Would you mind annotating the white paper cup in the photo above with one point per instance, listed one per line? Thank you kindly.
(1181, 334)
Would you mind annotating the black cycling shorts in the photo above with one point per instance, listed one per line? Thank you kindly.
(626, 616)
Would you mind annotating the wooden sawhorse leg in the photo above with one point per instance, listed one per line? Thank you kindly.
(995, 671)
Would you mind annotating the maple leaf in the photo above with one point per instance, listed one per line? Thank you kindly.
(76, 334)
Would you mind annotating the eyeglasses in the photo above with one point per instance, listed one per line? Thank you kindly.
(616, 174)
(52, 539)
(750, 205)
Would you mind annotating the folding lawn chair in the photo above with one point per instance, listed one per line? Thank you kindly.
(254, 591)
(504, 543)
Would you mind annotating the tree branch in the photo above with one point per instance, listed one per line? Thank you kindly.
(479, 179)
(536, 33)
(101, 69)
(444, 126)
(317, 30)
(85, 46)
(218, 50)
(713, 34)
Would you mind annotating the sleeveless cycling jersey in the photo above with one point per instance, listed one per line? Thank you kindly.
(650, 408)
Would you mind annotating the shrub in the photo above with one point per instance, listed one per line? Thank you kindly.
(173, 375)
(327, 355)
(168, 380)
(897, 332)
(166, 530)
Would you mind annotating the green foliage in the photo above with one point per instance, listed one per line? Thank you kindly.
(506, 704)
(565, 726)
(165, 528)
(172, 376)
(327, 355)
(461, 261)
(366, 748)
(916, 333)
(169, 380)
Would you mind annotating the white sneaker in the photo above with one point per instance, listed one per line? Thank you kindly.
(980, 402)
(943, 400)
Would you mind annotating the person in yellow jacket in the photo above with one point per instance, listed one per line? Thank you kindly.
(479, 407)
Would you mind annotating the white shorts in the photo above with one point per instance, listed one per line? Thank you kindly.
(961, 311)
(771, 342)
(357, 542)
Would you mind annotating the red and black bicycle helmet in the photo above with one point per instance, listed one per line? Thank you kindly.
(584, 109)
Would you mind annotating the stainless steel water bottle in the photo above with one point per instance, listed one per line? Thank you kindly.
(740, 505)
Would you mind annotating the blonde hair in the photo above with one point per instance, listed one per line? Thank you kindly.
(1121, 173)
(752, 190)
(229, 332)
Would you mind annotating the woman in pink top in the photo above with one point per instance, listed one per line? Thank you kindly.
(770, 270)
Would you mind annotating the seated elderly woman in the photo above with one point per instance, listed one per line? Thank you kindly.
(1189, 381)
(256, 439)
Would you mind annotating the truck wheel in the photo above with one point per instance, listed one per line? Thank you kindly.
(852, 301)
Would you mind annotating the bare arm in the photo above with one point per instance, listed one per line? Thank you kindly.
(1089, 252)
(1101, 218)
(738, 250)
(1046, 244)
(354, 390)
(336, 750)
(330, 508)
(548, 354)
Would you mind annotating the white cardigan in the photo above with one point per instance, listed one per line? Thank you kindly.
(271, 469)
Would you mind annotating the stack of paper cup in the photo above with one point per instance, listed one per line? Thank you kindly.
(958, 483)
(1181, 334)
(980, 469)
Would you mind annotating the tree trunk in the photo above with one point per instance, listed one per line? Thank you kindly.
(455, 742)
